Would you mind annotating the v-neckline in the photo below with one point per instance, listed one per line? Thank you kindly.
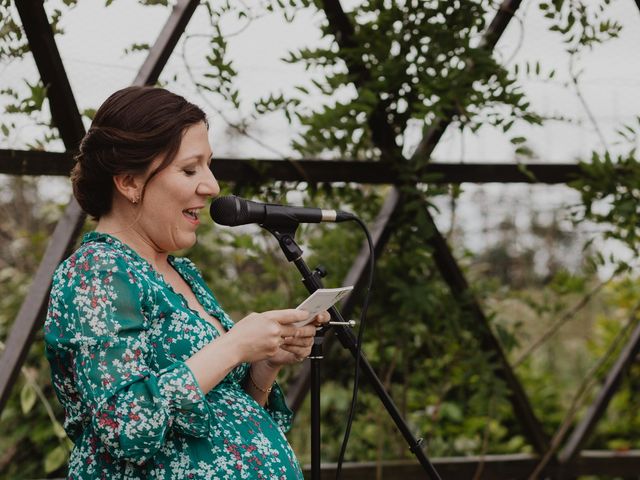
(95, 235)
(170, 260)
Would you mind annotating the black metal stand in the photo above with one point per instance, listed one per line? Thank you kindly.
(312, 281)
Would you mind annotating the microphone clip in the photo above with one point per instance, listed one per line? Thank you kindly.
(285, 235)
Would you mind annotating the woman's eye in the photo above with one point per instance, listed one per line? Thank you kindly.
(189, 172)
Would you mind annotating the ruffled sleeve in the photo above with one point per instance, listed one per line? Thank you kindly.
(133, 406)
(277, 407)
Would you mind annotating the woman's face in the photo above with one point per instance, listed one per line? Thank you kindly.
(174, 197)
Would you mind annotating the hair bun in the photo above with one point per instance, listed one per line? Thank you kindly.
(90, 189)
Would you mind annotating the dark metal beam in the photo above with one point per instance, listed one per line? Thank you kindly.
(64, 110)
(452, 274)
(71, 129)
(67, 119)
(499, 23)
(492, 467)
(582, 431)
(20, 162)
(35, 162)
(166, 42)
(602, 462)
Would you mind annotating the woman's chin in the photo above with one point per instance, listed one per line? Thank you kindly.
(180, 242)
(188, 241)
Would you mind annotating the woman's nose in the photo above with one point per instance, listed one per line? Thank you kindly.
(209, 185)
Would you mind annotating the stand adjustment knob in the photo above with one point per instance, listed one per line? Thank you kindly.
(320, 271)
(348, 323)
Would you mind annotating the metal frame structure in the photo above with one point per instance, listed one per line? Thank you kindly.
(34, 162)
(572, 460)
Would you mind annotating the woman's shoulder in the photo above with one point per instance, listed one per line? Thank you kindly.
(184, 263)
(187, 269)
(98, 254)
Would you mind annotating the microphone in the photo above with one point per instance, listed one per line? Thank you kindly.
(231, 211)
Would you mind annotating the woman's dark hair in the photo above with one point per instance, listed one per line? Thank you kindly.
(130, 129)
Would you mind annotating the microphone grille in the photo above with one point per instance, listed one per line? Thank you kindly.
(228, 210)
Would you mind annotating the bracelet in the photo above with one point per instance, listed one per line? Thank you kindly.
(253, 382)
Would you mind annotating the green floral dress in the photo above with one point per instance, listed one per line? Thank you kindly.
(117, 336)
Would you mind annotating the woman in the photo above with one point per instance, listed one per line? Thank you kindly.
(155, 379)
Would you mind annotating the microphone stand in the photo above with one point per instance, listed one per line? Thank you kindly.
(312, 281)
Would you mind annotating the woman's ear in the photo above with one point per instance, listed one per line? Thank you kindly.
(129, 186)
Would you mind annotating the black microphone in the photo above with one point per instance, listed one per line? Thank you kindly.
(231, 211)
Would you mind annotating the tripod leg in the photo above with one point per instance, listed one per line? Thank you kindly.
(312, 280)
(348, 341)
(316, 359)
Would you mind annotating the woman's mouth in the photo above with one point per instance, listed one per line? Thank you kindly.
(191, 214)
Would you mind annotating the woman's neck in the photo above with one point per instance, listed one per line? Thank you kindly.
(127, 233)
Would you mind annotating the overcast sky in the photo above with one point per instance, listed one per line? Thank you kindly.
(92, 50)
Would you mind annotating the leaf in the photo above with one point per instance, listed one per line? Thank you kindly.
(451, 411)
(89, 113)
(524, 151)
(27, 398)
(523, 169)
(507, 125)
(59, 430)
(55, 459)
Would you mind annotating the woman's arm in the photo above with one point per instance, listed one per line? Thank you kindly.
(260, 380)
(256, 337)
(96, 315)
(213, 362)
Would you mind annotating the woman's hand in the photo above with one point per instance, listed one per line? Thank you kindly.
(294, 348)
(297, 347)
(259, 336)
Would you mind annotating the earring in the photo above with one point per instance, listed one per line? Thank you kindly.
(135, 199)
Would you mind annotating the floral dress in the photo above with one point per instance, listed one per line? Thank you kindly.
(117, 336)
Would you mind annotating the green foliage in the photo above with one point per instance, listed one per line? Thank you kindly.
(411, 64)
(29, 103)
(618, 429)
(580, 23)
(28, 420)
(219, 78)
(609, 190)
(13, 43)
